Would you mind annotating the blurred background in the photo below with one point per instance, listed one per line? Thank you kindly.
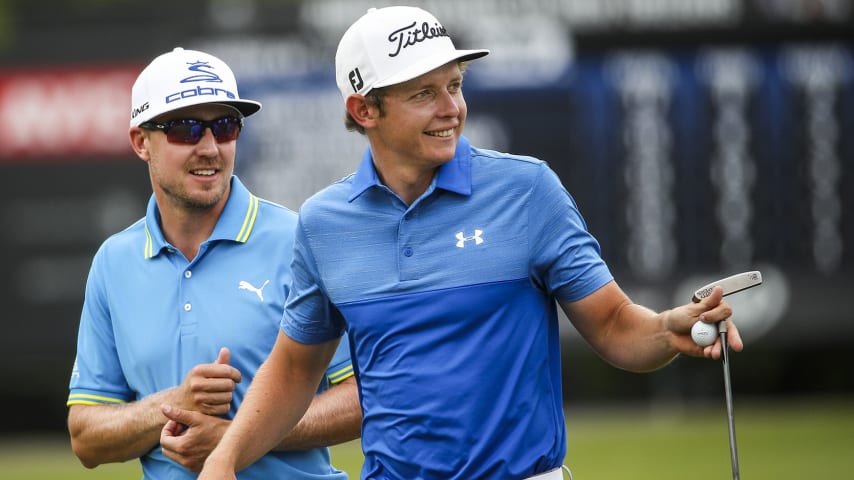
(700, 138)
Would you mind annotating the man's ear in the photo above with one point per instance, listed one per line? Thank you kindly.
(361, 111)
(139, 142)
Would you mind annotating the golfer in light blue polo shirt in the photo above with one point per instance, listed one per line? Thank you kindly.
(182, 307)
(150, 316)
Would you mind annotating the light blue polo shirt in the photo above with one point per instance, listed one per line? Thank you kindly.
(449, 305)
(149, 316)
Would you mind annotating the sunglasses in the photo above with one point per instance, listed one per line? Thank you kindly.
(190, 130)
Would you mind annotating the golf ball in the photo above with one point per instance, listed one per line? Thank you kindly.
(704, 334)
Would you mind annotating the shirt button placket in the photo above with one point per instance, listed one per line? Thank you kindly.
(188, 325)
(188, 306)
(407, 249)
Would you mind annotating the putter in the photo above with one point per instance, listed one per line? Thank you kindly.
(730, 285)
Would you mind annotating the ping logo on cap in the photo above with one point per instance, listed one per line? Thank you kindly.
(137, 110)
(356, 81)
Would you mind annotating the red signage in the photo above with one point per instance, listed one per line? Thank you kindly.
(65, 112)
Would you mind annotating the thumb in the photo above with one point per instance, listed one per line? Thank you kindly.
(715, 297)
(224, 356)
(176, 414)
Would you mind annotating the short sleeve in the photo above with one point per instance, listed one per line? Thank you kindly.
(309, 315)
(566, 259)
(97, 376)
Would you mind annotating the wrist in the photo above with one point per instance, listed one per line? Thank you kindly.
(219, 460)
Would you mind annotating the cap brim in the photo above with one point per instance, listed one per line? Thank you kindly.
(246, 107)
(429, 64)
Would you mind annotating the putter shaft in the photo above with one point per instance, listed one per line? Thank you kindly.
(733, 449)
(732, 284)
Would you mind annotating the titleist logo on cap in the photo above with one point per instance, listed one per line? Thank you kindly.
(411, 35)
(392, 45)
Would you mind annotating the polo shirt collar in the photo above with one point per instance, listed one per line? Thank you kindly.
(454, 175)
(235, 224)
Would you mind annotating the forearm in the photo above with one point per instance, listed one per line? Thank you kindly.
(115, 433)
(275, 402)
(626, 335)
(335, 416)
(639, 341)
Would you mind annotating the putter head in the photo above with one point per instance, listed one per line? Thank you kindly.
(732, 284)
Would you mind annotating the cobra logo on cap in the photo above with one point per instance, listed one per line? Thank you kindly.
(202, 72)
(203, 75)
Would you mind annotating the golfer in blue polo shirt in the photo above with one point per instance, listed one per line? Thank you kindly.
(443, 264)
(183, 306)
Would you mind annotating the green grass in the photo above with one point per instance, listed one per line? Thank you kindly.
(779, 441)
(810, 440)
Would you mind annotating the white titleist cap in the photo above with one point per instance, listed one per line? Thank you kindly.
(391, 45)
(182, 78)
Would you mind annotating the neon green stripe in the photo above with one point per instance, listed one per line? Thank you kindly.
(249, 221)
(81, 402)
(149, 244)
(340, 375)
(86, 399)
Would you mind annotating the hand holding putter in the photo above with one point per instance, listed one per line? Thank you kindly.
(704, 334)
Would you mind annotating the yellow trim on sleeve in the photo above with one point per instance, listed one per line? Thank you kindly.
(87, 399)
(341, 375)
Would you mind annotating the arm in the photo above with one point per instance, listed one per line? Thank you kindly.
(635, 338)
(114, 433)
(276, 400)
(117, 433)
(334, 417)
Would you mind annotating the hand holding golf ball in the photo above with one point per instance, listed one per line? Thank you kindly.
(704, 334)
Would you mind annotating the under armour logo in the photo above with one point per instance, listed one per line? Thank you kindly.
(201, 75)
(356, 81)
(244, 285)
(462, 239)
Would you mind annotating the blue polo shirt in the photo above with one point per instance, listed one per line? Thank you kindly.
(449, 304)
(149, 316)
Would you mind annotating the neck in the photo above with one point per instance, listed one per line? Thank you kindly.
(186, 229)
(407, 182)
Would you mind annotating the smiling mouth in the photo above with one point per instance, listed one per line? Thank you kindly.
(442, 133)
(207, 172)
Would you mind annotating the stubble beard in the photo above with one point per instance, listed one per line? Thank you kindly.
(182, 199)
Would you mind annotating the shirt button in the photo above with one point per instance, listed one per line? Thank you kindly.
(187, 307)
(407, 251)
(188, 274)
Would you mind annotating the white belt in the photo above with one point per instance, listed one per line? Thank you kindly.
(556, 474)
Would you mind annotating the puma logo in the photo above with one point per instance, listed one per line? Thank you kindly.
(244, 285)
